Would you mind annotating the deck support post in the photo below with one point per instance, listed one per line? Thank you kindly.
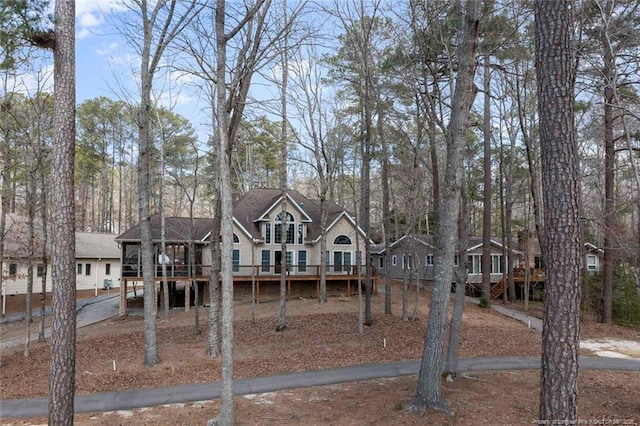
(123, 297)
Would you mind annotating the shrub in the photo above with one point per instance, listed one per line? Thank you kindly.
(484, 302)
(626, 302)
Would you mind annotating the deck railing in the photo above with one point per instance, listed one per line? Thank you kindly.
(183, 271)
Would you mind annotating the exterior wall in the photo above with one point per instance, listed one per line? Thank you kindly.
(18, 284)
(343, 227)
(420, 265)
(474, 259)
(410, 259)
(97, 273)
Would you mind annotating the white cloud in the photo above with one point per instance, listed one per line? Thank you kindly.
(107, 50)
(90, 15)
(101, 6)
(124, 59)
(90, 20)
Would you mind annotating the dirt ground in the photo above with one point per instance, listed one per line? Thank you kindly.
(319, 336)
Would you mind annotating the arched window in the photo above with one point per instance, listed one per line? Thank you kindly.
(236, 240)
(290, 229)
(342, 240)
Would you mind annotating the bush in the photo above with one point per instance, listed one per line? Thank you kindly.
(626, 302)
(484, 302)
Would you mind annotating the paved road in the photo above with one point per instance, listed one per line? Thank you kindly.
(128, 400)
(95, 310)
(88, 311)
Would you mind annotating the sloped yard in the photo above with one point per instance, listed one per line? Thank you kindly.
(319, 336)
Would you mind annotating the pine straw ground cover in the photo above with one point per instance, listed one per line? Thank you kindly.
(318, 336)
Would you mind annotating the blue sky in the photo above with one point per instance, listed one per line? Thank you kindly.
(107, 66)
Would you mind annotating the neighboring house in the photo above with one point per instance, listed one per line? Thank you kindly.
(412, 256)
(592, 258)
(97, 259)
(258, 228)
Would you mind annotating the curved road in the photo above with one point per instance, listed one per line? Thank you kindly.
(111, 401)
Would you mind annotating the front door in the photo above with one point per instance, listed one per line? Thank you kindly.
(277, 260)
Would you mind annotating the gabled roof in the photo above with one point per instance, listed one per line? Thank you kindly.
(423, 239)
(476, 243)
(261, 204)
(88, 244)
(176, 230)
(96, 246)
(428, 241)
(590, 248)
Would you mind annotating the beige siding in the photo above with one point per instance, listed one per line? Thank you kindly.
(342, 227)
(18, 284)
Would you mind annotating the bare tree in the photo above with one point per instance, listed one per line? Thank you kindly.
(284, 223)
(560, 171)
(63, 326)
(429, 388)
(486, 198)
(229, 108)
(160, 25)
(451, 364)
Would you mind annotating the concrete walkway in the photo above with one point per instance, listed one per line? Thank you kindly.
(128, 400)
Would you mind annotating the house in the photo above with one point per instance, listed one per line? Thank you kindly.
(412, 257)
(592, 258)
(259, 224)
(97, 260)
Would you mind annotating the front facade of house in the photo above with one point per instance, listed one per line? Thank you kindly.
(412, 257)
(260, 225)
(262, 219)
(258, 231)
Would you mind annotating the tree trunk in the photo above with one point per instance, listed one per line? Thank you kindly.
(151, 356)
(386, 215)
(31, 217)
(609, 257)
(45, 254)
(486, 212)
(63, 326)
(226, 415)
(560, 172)
(451, 364)
(5, 194)
(429, 388)
(284, 223)
(163, 238)
(213, 345)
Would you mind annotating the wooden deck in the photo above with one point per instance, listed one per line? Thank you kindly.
(347, 280)
(536, 277)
